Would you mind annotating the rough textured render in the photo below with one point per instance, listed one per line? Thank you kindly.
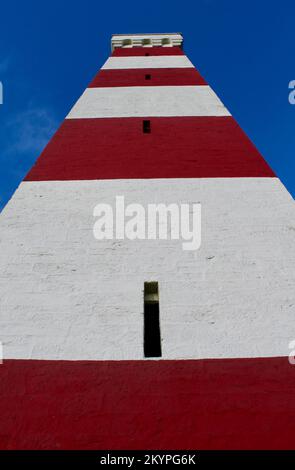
(148, 101)
(72, 307)
(73, 289)
(153, 62)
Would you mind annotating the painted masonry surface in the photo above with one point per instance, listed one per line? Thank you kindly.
(74, 374)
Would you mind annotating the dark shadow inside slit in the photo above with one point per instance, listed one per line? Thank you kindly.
(152, 334)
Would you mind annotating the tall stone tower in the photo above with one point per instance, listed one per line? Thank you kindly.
(137, 344)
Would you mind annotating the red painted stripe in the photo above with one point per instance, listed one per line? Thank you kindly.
(208, 404)
(186, 147)
(137, 77)
(143, 51)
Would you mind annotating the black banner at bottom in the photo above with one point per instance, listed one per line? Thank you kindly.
(145, 459)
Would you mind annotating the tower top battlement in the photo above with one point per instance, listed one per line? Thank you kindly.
(146, 40)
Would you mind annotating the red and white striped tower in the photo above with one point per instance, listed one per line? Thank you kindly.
(74, 373)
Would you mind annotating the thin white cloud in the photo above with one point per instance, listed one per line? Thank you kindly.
(23, 137)
(4, 65)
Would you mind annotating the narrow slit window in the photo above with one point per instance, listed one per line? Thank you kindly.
(127, 43)
(148, 76)
(147, 43)
(152, 334)
(146, 127)
(166, 42)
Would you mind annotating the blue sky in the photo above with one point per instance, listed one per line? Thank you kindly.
(50, 50)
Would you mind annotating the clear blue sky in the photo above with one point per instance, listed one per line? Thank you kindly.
(49, 51)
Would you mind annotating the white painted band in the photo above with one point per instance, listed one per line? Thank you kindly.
(66, 295)
(148, 62)
(148, 101)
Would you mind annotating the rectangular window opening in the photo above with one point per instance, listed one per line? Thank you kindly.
(152, 334)
(146, 127)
